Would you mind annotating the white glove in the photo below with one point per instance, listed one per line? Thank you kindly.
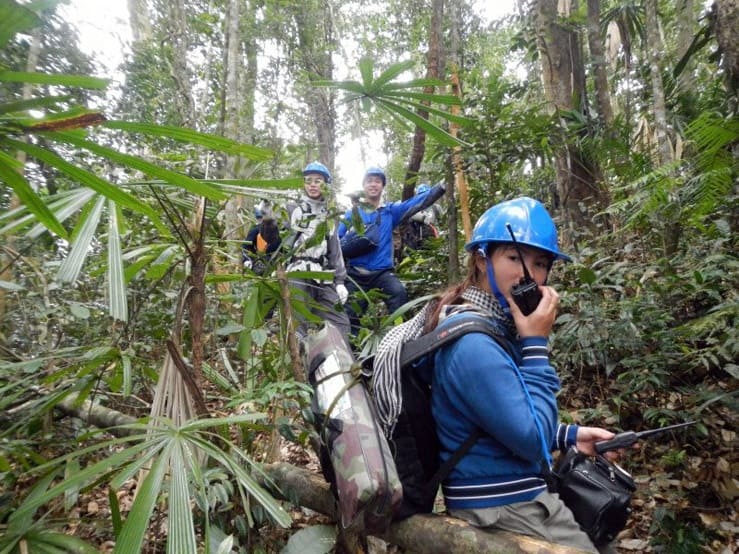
(343, 293)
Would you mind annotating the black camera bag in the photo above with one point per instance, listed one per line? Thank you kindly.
(597, 492)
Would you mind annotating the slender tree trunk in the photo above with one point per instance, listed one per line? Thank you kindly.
(316, 43)
(179, 73)
(231, 124)
(140, 21)
(249, 74)
(34, 51)
(196, 298)
(727, 36)
(231, 101)
(578, 189)
(654, 47)
(433, 71)
(664, 154)
(598, 61)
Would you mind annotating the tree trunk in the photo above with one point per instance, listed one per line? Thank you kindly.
(97, 415)
(231, 103)
(249, 75)
(579, 192)
(433, 71)
(178, 69)
(140, 21)
(315, 45)
(598, 61)
(428, 534)
(654, 47)
(6, 262)
(231, 124)
(672, 228)
(196, 298)
(727, 36)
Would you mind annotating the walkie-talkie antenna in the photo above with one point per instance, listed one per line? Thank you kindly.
(526, 273)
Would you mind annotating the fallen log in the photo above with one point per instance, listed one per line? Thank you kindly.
(97, 415)
(427, 533)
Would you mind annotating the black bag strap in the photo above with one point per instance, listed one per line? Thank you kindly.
(445, 469)
(473, 323)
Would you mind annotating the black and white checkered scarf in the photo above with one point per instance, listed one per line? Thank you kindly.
(385, 383)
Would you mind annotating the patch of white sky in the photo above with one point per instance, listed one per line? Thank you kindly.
(105, 34)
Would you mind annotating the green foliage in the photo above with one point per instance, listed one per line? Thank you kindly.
(675, 533)
(397, 97)
(172, 459)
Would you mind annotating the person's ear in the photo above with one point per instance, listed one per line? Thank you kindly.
(480, 259)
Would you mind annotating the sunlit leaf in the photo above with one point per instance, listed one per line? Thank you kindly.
(72, 264)
(88, 179)
(190, 136)
(188, 183)
(78, 81)
(30, 199)
(116, 282)
(15, 18)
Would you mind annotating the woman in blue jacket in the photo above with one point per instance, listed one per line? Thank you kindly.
(499, 483)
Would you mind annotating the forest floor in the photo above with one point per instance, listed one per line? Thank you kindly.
(683, 503)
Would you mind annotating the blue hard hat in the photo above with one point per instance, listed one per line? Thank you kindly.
(377, 171)
(318, 167)
(423, 187)
(529, 220)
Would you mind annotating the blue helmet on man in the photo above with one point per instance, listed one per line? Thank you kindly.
(528, 219)
(377, 172)
(423, 187)
(318, 167)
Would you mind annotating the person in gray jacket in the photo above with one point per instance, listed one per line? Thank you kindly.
(314, 246)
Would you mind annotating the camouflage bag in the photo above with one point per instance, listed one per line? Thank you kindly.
(356, 457)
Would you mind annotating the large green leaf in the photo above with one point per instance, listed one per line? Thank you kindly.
(106, 188)
(393, 97)
(78, 81)
(181, 526)
(72, 264)
(15, 18)
(33, 103)
(131, 539)
(432, 130)
(392, 72)
(196, 187)
(398, 99)
(9, 174)
(116, 281)
(193, 137)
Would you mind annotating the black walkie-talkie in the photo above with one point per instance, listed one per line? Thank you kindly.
(526, 293)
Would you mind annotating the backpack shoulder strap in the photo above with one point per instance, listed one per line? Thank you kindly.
(471, 323)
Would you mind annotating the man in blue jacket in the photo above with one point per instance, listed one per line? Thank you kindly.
(370, 266)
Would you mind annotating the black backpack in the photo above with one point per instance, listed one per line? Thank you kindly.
(414, 444)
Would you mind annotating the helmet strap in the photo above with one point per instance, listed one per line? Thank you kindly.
(493, 285)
